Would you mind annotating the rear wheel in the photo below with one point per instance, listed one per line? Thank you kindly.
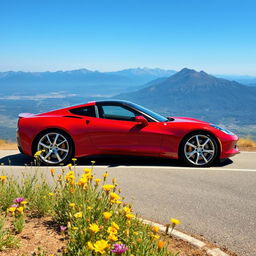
(199, 149)
(56, 148)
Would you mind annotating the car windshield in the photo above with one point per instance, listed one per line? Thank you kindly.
(149, 112)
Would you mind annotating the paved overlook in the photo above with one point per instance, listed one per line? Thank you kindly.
(218, 203)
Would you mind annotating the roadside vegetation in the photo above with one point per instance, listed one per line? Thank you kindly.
(247, 142)
(4, 144)
(88, 213)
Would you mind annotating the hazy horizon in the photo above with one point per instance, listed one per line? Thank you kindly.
(127, 68)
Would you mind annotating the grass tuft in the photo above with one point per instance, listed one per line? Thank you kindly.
(246, 142)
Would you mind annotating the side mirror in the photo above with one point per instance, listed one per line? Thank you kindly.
(142, 120)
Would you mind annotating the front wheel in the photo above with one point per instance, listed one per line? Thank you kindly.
(199, 149)
(56, 148)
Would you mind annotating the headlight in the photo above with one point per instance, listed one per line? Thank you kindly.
(222, 129)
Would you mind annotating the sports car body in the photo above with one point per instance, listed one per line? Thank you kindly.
(121, 128)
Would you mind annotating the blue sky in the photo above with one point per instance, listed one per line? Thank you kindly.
(218, 36)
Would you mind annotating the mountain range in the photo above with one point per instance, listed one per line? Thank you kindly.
(80, 82)
(198, 94)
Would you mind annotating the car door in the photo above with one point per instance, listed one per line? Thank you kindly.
(117, 131)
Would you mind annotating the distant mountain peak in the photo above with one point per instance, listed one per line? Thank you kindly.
(187, 73)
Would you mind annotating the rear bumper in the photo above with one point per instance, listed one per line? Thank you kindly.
(21, 144)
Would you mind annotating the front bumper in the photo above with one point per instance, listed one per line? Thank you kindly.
(229, 147)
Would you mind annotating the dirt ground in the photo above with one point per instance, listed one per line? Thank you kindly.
(42, 235)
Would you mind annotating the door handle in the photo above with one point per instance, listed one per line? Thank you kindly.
(87, 122)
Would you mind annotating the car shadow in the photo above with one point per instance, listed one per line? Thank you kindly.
(110, 161)
(17, 160)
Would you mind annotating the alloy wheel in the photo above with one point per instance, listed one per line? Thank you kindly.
(55, 148)
(200, 150)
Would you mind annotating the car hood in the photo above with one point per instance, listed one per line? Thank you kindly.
(187, 120)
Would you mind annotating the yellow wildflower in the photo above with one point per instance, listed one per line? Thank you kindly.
(38, 153)
(107, 187)
(100, 246)
(114, 196)
(82, 182)
(155, 236)
(50, 194)
(52, 171)
(70, 177)
(87, 170)
(105, 175)
(112, 230)
(116, 202)
(114, 225)
(160, 244)
(93, 162)
(12, 209)
(78, 215)
(94, 228)
(23, 202)
(112, 237)
(127, 232)
(3, 178)
(126, 210)
(97, 181)
(175, 221)
(89, 208)
(90, 246)
(59, 178)
(75, 228)
(155, 229)
(20, 209)
(129, 216)
(74, 159)
(69, 166)
(72, 205)
(107, 215)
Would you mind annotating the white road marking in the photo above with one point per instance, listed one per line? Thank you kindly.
(176, 168)
(248, 152)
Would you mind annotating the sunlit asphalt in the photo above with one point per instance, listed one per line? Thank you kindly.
(218, 203)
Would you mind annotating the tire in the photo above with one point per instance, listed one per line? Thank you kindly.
(56, 147)
(199, 149)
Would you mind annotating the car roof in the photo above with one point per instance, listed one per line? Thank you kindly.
(113, 101)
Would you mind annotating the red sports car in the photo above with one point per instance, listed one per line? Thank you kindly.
(118, 127)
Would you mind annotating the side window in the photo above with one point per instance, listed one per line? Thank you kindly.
(84, 111)
(116, 113)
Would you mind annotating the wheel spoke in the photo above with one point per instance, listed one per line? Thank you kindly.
(197, 158)
(61, 142)
(197, 141)
(190, 154)
(47, 136)
(208, 151)
(48, 154)
(205, 160)
(63, 149)
(55, 139)
(58, 156)
(44, 145)
(190, 144)
(205, 142)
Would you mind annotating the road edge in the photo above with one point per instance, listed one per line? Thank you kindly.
(193, 241)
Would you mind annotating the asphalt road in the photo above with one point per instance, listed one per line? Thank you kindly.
(218, 203)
